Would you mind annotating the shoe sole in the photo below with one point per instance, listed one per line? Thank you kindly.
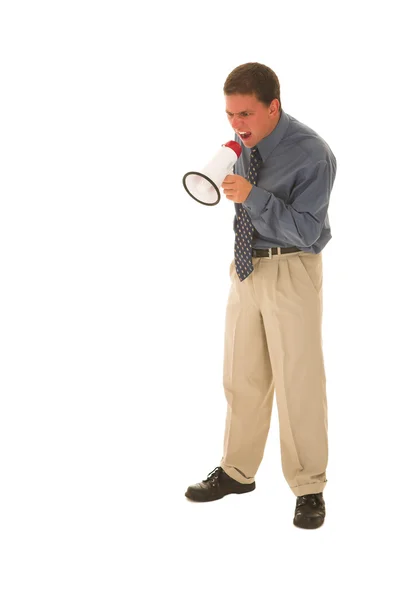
(309, 523)
(202, 499)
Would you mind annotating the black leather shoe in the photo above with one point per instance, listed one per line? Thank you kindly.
(310, 511)
(217, 485)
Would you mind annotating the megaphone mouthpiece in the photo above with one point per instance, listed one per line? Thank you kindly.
(237, 148)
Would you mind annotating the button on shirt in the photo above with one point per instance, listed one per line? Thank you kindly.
(289, 205)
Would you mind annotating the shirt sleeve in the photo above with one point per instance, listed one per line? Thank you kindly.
(300, 223)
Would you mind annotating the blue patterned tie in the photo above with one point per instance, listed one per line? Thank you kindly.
(244, 227)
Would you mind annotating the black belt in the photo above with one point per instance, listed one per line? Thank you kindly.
(270, 251)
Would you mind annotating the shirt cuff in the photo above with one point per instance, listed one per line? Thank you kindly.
(257, 202)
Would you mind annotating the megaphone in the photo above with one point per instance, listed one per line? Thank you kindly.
(204, 186)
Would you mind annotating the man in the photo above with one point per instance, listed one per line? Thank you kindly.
(280, 189)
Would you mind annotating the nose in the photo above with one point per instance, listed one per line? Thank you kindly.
(235, 124)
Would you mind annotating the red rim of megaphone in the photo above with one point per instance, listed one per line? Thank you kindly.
(209, 180)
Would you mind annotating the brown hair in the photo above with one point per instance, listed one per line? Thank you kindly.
(254, 79)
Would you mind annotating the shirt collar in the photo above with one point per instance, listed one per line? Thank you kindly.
(269, 143)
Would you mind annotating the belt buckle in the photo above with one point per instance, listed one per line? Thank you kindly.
(269, 253)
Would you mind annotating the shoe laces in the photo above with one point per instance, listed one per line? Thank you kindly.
(313, 499)
(214, 475)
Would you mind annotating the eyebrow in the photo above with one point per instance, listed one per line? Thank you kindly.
(240, 113)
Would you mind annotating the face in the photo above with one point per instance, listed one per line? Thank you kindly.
(251, 119)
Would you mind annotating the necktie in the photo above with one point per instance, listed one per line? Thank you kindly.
(244, 227)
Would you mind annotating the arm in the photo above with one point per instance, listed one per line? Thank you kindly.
(301, 222)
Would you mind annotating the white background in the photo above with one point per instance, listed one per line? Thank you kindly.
(113, 287)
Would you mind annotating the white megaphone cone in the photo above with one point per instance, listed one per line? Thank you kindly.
(204, 186)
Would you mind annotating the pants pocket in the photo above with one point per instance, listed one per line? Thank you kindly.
(312, 267)
(232, 269)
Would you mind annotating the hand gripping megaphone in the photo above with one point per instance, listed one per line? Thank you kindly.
(204, 186)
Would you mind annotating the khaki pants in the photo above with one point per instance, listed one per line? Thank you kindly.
(273, 343)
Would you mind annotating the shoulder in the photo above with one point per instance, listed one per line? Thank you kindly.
(305, 142)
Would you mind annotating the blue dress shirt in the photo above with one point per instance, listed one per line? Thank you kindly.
(289, 204)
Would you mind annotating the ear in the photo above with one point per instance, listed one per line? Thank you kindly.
(274, 107)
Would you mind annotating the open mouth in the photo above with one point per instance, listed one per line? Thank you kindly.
(244, 135)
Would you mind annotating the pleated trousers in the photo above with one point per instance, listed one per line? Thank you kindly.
(273, 348)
